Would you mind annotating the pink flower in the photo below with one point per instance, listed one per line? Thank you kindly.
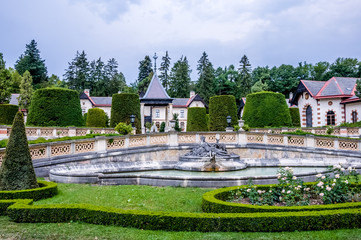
(337, 176)
(319, 184)
(321, 194)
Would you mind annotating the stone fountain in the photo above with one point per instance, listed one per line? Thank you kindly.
(207, 157)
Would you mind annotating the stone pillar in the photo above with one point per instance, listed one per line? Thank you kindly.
(170, 117)
(173, 139)
(142, 117)
(242, 138)
(310, 141)
(100, 144)
(343, 131)
(72, 131)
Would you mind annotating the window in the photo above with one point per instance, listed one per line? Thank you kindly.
(182, 126)
(330, 118)
(181, 113)
(354, 116)
(157, 113)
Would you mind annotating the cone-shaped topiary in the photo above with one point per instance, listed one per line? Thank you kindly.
(17, 171)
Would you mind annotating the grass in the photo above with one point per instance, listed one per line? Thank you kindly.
(142, 198)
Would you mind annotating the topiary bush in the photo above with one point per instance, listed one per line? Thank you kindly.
(17, 171)
(266, 109)
(7, 113)
(123, 128)
(162, 127)
(295, 117)
(197, 119)
(124, 105)
(96, 117)
(219, 108)
(55, 107)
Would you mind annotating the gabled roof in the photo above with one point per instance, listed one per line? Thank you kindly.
(186, 102)
(156, 90)
(336, 87)
(102, 101)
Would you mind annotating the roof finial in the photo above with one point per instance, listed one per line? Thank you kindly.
(155, 62)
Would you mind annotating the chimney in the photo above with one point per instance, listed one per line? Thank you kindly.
(290, 96)
(87, 92)
(192, 94)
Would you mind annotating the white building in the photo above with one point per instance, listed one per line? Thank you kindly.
(327, 103)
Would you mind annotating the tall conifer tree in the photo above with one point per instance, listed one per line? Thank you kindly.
(77, 75)
(205, 84)
(164, 71)
(245, 79)
(26, 91)
(180, 79)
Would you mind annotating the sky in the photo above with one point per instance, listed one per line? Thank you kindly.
(269, 32)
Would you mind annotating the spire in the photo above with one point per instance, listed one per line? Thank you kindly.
(155, 63)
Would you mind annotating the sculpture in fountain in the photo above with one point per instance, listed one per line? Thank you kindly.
(210, 157)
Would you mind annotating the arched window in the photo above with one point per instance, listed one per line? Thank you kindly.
(354, 116)
(330, 118)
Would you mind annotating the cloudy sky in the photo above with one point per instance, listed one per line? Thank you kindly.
(269, 32)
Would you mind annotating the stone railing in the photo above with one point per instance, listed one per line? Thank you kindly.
(338, 131)
(56, 132)
(102, 144)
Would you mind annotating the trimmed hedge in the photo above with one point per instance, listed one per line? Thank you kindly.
(7, 113)
(96, 117)
(219, 108)
(124, 105)
(197, 119)
(295, 117)
(45, 190)
(266, 109)
(23, 211)
(55, 107)
(214, 202)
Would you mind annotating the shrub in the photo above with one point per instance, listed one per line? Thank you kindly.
(197, 119)
(45, 190)
(266, 109)
(176, 127)
(96, 117)
(246, 127)
(295, 117)
(55, 107)
(7, 113)
(123, 128)
(162, 127)
(85, 116)
(219, 108)
(17, 171)
(124, 105)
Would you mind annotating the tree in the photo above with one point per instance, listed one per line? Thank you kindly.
(26, 91)
(180, 79)
(226, 81)
(32, 62)
(16, 80)
(259, 87)
(115, 81)
(245, 80)
(143, 85)
(205, 84)
(17, 171)
(5, 86)
(97, 78)
(320, 71)
(344, 67)
(145, 68)
(2, 61)
(164, 71)
(78, 73)
(284, 79)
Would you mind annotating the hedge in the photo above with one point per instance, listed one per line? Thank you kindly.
(219, 108)
(7, 113)
(266, 109)
(295, 117)
(214, 202)
(197, 119)
(45, 190)
(55, 107)
(124, 105)
(23, 211)
(96, 117)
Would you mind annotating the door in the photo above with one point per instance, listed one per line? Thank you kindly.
(309, 116)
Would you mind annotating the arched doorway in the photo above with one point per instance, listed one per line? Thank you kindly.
(331, 118)
(309, 116)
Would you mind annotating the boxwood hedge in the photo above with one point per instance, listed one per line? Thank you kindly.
(96, 117)
(219, 108)
(197, 119)
(46, 190)
(55, 107)
(7, 113)
(295, 116)
(266, 109)
(124, 105)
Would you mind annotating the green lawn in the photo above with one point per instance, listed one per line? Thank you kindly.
(144, 198)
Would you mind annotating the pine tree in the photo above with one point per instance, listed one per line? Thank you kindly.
(78, 73)
(97, 78)
(26, 91)
(32, 62)
(145, 68)
(205, 85)
(115, 80)
(180, 80)
(245, 80)
(164, 71)
(17, 171)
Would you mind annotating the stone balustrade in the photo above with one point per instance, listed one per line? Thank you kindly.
(103, 144)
